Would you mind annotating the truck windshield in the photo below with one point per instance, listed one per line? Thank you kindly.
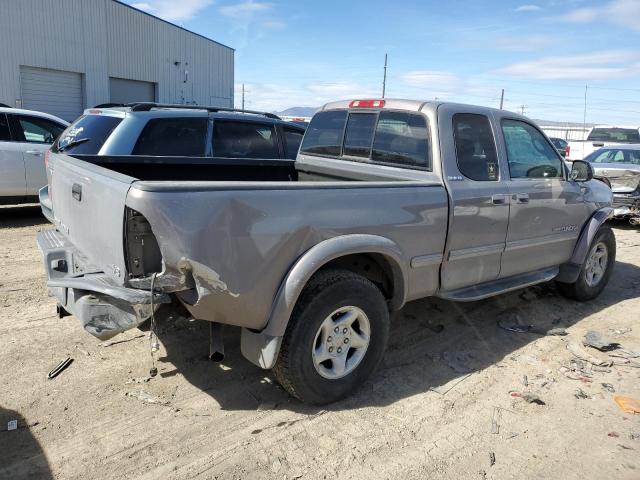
(86, 135)
(620, 135)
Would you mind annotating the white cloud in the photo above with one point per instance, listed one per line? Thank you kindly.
(275, 97)
(604, 64)
(245, 10)
(172, 10)
(619, 12)
(528, 8)
(524, 43)
(436, 82)
(274, 24)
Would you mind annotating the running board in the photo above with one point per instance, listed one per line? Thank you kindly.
(502, 285)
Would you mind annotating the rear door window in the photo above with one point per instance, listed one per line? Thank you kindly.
(614, 134)
(475, 147)
(173, 137)
(324, 134)
(87, 134)
(401, 139)
(529, 153)
(5, 133)
(38, 130)
(244, 140)
(292, 139)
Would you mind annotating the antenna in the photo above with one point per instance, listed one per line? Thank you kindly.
(384, 78)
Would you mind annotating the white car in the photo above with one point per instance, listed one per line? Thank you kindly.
(24, 137)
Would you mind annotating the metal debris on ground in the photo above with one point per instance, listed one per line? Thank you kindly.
(518, 328)
(528, 397)
(627, 404)
(613, 434)
(576, 370)
(581, 394)
(525, 381)
(492, 459)
(634, 436)
(58, 369)
(146, 397)
(598, 341)
(580, 353)
(608, 387)
(12, 425)
(495, 420)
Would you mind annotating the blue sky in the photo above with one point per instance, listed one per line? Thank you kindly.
(543, 53)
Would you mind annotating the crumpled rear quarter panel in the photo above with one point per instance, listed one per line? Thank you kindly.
(239, 244)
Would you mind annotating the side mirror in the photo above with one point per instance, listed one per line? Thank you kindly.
(581, 171)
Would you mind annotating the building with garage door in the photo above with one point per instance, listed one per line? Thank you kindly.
(63, 56)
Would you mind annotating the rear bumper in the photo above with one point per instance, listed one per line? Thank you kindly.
(103, 307)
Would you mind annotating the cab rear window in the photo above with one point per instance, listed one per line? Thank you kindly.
(387, 137)
(87, 134)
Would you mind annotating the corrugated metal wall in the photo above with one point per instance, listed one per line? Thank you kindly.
(101, 39)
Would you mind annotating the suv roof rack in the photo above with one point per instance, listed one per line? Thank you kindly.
(146, 106)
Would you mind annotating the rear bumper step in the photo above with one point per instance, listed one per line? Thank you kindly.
(103, 307)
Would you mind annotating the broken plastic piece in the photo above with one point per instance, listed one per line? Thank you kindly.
(12, 425)
(613, 434)
(599, 342)
(627, 404)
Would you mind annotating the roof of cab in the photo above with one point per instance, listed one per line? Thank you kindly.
(409, 105)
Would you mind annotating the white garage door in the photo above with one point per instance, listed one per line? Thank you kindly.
(52, 91)
(130, 91)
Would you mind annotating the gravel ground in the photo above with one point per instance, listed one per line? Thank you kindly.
(444, 403)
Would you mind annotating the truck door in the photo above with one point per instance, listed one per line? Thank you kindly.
(547, 210)
(473, 172)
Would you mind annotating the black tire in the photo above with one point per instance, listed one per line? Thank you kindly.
(580, 290)
(327, 291)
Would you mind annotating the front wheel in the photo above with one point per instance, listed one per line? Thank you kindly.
(336, 337)
(596, 269)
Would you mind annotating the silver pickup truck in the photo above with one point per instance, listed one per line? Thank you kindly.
(388, 201)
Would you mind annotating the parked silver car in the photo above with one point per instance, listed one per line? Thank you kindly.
(25, 135)
(620, 167)
(388, 201)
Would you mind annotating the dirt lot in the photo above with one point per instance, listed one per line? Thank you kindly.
(440, 406)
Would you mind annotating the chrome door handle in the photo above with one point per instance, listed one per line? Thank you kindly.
(499, 199)
(37, 153)
(522, 197)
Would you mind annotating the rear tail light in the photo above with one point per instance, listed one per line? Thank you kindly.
(47, 154)
(567, 151)
(367, 104)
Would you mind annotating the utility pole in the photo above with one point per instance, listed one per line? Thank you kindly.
(584, 115)
(243, 96)
(502, 99)
(384, 78)
(522, 109)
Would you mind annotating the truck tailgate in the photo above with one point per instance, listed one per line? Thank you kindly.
(88, 205)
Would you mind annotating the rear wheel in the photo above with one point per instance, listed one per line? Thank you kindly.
(596, 269)
(336, 337)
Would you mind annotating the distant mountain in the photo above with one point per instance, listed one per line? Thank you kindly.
(298, 112)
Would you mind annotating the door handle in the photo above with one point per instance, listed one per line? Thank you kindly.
(522, 197)
(37, 153)
(499, 199)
